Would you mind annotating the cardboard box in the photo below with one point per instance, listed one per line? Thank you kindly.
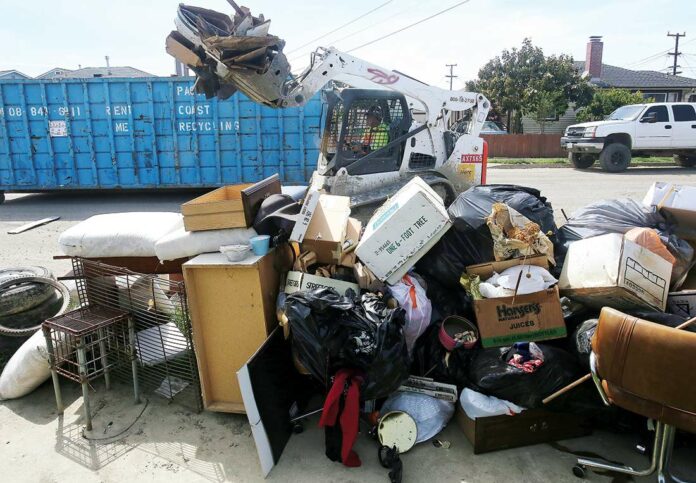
(532, 426)
(609, 270)
(348, 256)
(298, 281)
(232, 206)
(532, 317)
(677, 204)
(403, 230)
(326, 231)
(308, 206)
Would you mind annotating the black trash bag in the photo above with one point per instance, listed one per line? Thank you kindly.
(448, 301)
(662, 318)
(581, 345)
(469, 240)
(491, 375)
(622, 215)
(430, 359)
(330, 332)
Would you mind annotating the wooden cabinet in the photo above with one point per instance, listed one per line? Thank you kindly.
(232, 306)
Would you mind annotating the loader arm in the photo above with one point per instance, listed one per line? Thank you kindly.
(331, 64)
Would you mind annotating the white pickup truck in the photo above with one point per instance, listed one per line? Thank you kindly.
(659, 129)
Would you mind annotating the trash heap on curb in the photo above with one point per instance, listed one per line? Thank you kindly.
(394, 325)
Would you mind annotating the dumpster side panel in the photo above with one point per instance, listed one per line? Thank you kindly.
(146, 133)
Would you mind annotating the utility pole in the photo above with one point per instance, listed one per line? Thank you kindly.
(451, 75)
(676, 52)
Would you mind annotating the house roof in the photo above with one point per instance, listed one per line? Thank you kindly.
(10, 71)
(613, 76)
(52, 73)
(89, 72)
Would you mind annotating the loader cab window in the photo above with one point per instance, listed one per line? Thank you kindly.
(361, 124)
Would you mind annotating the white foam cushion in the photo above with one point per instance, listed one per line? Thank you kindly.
(119, 234)
(181, 243)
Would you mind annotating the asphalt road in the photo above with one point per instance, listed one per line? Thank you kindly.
(566, 188)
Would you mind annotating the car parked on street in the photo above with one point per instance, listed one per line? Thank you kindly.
(655, 129)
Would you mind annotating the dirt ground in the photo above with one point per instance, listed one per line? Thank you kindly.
(157, 441)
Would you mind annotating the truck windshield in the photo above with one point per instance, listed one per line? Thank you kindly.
(625, 113)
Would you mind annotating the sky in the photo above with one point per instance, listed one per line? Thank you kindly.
(38, 35)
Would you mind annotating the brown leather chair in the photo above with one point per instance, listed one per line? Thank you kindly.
(648, 369)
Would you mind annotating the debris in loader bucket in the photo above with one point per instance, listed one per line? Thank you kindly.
(230, 53)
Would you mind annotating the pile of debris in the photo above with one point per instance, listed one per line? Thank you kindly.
(478, 311)
(230, 53)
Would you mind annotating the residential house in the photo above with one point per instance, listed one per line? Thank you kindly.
(12, 75)
(92, 72)
(654, 85)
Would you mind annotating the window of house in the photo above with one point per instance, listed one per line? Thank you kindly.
(655, 96)
(660, 113)
(684, 112)
(692, 98)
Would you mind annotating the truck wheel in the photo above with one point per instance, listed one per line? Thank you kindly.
(685, 161)
(581, 161)
(615, 157)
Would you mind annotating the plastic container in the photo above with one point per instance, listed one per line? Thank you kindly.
(454, 325)
(236, 253)
(260, 244)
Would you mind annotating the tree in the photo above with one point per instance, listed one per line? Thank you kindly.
(524, 80)
(606, 101)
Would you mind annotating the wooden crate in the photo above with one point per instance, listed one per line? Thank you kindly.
(221, 208)
(532, 426)
(232, 306)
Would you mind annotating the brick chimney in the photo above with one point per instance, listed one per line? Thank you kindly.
(593, 56)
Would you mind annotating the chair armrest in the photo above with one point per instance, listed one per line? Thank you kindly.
(596, 379)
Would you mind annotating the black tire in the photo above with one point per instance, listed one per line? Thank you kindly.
(581, 161)
(34, 317)
(615, 157)
(2, 197)
(685, 161)
(579, 471)
(25, 295)
(7, 326)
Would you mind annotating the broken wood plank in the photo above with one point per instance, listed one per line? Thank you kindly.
(32, 225)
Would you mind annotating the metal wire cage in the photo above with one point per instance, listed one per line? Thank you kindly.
(157, 304)
(100, 333)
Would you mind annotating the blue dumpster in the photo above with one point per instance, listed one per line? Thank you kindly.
(146, 133)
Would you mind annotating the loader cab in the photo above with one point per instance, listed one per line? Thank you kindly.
(349, 137)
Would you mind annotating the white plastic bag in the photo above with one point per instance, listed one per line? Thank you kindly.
(26, 370)
(412, 298)
(477, 405)
(430, 414)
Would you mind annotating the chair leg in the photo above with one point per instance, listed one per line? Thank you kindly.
(583, 463)
(663, 470)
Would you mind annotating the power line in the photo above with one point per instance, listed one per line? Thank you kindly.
(341, 27)
(451, 75)
(353, 34)
(408, 26)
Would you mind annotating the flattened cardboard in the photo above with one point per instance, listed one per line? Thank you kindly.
(298, 281)
(532, 317)
(181, 48)
(327, 229)
(608, 270)
(306, 212)
(404, 228)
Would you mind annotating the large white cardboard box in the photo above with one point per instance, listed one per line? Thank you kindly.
(404, 228)
(678, 205)
(611, 271)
